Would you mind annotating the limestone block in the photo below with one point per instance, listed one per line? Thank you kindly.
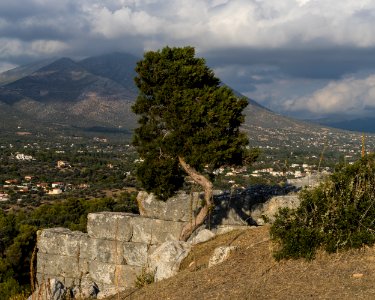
(60, 241)
(63, 266)
(107, 251)
(166, 259)
(272, 206)
(135, 254)
(110, 225)
(180, 207)
(114, 275)
(154, 231)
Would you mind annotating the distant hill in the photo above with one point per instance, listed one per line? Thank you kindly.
(118, 67)
(93, 93)
(22, 71)
(96, 93)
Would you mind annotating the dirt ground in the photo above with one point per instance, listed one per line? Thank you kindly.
(252, 273)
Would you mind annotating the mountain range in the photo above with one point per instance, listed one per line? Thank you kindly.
(93, 94)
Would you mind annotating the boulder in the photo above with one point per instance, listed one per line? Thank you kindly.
(166, 259)
(265, 212)
(220, 254)
(202, 236)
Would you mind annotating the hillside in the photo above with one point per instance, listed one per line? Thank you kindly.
(96, 94)
(252, 273)
(68, 94)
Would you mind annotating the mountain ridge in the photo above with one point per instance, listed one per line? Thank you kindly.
(98, 92)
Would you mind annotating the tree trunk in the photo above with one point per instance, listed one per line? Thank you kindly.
(207, 188)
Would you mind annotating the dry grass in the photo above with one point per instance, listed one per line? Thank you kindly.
(252, 273)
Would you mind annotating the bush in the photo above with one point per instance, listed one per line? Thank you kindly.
(338, 214)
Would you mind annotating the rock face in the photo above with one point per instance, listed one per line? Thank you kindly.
(119, 246)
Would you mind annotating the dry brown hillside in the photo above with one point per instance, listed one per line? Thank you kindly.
(252, 273)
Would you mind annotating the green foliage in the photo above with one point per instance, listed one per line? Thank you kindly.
(145, 278)
(338, 214)
(184, 112)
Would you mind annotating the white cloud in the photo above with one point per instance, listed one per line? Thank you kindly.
(122, 22)
(13, 47)
(33, 29)
(351, 96)
(205, 24)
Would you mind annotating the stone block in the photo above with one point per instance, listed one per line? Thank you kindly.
(154, 231)
(61, 266)
(107, 251)
(114, 275)
(60, 241)
(110, 225)
(135, 254)
(181, 207)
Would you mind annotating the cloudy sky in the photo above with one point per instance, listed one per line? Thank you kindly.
(304, 58)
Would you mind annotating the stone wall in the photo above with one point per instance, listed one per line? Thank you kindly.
(111, 254)
(118, 246)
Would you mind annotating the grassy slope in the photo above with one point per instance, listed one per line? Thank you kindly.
(252, 273)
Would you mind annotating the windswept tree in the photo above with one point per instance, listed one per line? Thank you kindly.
(188, 125)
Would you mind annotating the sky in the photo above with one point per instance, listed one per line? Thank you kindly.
(301, 58)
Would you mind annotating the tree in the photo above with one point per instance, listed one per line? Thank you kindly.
(189, 124)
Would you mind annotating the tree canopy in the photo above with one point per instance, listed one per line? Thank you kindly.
(189, 124)
(184, 112)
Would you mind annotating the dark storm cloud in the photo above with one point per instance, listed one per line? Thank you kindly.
(306, 63)
(279, 52)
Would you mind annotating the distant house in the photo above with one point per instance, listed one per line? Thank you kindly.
(11, 181)
(63, 164)
(4, 197)
(42, 185)
(57, 184)
(21, 156)
(55, 191)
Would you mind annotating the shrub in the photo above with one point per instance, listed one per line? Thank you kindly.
(145, 278)
(338, 214)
